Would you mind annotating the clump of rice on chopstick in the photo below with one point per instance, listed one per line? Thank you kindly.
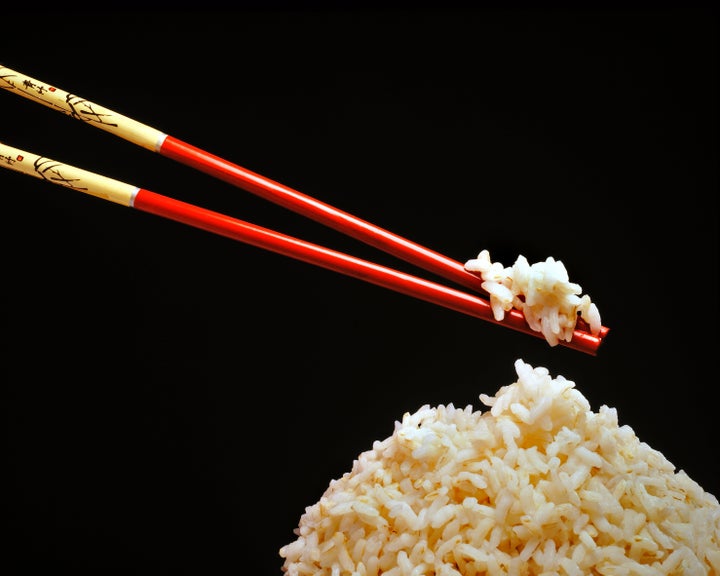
(538, 484)
(542, 291)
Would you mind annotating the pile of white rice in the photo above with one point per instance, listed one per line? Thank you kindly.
(539, 485)
(542, 291)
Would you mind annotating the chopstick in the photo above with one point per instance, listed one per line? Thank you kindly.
(157, 141)
(132, 196)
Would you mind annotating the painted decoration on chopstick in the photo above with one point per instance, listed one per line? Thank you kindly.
(81, 109)
(68, 176)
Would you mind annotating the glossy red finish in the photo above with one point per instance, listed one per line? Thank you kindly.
(242, 231)
(321, 212)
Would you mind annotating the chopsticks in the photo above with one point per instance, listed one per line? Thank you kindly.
(131, 196)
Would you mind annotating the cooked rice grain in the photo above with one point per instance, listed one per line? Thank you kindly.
(537, 485)
(542, 291)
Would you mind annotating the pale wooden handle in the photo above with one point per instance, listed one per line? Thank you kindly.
(67, 176)
(81, 109)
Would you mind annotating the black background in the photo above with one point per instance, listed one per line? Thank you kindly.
(176, 399)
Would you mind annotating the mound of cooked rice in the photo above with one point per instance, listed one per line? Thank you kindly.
(537, 485)
(542, 291)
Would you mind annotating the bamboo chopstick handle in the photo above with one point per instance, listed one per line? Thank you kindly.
(81, 109)
(67, 176)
